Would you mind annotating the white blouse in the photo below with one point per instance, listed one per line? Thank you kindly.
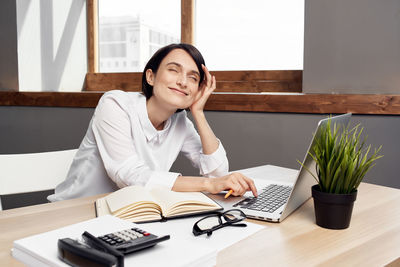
(121, 147)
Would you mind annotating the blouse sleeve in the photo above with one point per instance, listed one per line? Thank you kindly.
(212, 165)
(112, 131)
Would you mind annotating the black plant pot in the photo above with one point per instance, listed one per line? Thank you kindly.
(333, 211)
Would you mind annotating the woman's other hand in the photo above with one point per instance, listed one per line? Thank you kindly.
(206, 87)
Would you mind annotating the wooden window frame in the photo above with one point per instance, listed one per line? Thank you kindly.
(302, 103)
(254, 91)
(92, 35)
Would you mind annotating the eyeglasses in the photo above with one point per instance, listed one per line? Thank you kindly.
(216, 221)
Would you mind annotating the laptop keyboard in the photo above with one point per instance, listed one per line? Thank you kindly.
(272, 198)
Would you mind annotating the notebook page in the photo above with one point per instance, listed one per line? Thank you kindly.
(169, 199)
(127, 196)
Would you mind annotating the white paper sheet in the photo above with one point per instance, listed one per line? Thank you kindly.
(183, 249)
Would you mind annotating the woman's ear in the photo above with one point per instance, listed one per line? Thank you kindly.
(150, 77)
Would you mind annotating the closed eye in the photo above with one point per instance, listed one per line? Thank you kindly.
(194, 78)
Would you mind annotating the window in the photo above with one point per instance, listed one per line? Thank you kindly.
(113, 50)
(251, 35)
(132, 30)
(266, 48)
(112, 31)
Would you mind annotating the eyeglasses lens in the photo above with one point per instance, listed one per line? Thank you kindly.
(234, 216)
(208, 223)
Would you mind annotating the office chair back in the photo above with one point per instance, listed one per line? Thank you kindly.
(23, 173)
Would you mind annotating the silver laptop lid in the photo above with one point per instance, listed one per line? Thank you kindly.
(302, 187)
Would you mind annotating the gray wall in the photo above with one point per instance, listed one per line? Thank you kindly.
(40, 129)
(8, 45)
(352, 46)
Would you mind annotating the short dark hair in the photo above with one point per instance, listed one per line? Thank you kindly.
(161, 53)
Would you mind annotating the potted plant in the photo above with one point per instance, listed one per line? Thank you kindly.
(342, 161)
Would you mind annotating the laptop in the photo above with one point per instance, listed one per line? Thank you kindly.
(280, 190)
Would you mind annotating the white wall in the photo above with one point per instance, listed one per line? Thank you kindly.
(52, 45)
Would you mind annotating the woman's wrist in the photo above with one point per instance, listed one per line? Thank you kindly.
(211, 185)
(190, 184)
(198, 114)
(207, 184)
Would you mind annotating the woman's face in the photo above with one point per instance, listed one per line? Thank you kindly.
(176, 82)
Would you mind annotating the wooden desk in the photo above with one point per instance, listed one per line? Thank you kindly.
(373, 238)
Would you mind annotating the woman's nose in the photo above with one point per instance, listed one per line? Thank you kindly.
(182, 80)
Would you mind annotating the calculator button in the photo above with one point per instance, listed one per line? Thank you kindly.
(130, 240)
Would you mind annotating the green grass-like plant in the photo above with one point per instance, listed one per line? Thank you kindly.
(341, 158)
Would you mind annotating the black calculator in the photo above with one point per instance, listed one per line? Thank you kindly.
(131, 240)
(106, 250)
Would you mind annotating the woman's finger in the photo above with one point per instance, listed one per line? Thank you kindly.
(213, 85)
(244, 185)
(198, 96)
(251, 185)
(237, 190)
(236, 184)
(208, 78)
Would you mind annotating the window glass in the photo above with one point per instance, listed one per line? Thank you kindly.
(251, 35)
(132, 30)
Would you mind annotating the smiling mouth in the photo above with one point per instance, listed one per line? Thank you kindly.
(179, 91)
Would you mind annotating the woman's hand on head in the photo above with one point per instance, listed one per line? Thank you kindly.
(237, 182)
(206, 87)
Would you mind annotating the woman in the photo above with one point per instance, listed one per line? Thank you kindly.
(133, 138)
